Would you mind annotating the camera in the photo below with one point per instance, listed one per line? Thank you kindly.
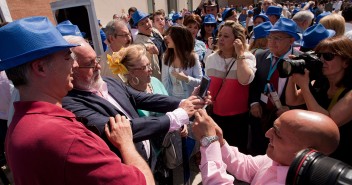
(215, 40)
(308, 60)
(314, 168)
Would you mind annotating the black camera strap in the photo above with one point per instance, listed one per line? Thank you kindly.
(223, 80)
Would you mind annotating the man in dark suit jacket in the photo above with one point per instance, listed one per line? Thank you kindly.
(96, 99)
(263, 112)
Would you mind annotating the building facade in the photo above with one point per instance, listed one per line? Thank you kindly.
(105, 9)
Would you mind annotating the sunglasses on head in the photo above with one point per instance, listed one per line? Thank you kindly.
(327, 56)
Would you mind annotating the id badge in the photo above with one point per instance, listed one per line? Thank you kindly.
(264, 98)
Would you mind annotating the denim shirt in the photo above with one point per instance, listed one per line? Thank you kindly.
(194, 74)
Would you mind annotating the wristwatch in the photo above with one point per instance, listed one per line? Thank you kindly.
(207, 140)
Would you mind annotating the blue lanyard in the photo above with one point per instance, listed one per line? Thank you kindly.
(272, 70)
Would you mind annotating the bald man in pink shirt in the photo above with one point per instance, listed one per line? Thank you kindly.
(292, 131)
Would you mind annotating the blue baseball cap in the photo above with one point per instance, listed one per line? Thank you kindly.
(28, 39)
(176, 16)
(209, 19)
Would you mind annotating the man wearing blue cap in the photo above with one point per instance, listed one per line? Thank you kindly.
(45, 144)
(177, 19)
(266, 82)
(149, 36)
(274, 13)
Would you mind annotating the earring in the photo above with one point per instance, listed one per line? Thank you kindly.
(135, 80)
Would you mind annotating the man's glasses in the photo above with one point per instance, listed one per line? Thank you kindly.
(275, 38)
(143, 68)
(127, 35)
(93, 64)
(327, 56)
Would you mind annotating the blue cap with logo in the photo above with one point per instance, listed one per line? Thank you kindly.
(209, 19)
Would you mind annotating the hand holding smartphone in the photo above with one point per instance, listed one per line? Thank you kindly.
(204, 86)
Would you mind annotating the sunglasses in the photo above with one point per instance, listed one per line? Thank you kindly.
(327, 56)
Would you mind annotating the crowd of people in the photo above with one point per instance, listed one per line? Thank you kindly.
(280, 82)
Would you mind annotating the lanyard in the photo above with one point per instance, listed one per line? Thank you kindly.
(273, 67)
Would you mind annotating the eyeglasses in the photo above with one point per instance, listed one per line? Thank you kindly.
(143, 68)
(327, 56)
(93, 63)
(127, 35)
(273, 38)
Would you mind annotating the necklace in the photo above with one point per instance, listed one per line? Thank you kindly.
(150, 89)
(227, 63)
(149, 86)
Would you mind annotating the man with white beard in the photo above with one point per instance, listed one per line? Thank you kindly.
(96, 99)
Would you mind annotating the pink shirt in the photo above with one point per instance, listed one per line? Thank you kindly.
(254, 170)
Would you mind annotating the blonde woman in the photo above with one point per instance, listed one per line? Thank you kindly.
(334, 22)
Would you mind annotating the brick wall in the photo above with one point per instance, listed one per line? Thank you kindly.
(25, 8)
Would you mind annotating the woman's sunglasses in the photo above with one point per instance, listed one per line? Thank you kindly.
(327, 56)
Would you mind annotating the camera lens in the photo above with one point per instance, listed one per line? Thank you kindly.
(287, 67)
(312, 167)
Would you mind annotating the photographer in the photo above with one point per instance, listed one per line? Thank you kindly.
(331, 93)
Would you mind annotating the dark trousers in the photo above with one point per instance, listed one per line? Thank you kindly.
(235, 130)
(257, 142)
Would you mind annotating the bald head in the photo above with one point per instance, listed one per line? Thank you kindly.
(299, 129)
(312, 129)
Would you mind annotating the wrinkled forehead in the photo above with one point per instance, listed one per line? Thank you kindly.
(267, 2)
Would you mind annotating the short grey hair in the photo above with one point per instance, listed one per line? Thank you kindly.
(75, 40)
(305, 15)
(112, 27)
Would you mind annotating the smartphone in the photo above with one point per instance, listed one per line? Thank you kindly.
(204, 86)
